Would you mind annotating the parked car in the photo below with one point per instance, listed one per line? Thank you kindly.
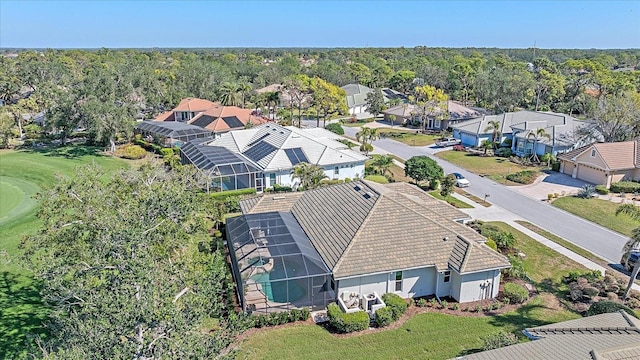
(630, 259)
(448, 142)
(461, 181)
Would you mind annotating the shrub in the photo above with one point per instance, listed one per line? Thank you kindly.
(586, 192)
(590, 291)
(625, 187)
(433, 302)
(503, 152)
(506, 301)
(495, 341)
(523, 177)
(421, 302)
(444, 304)
(456, 306)
(516, 293)
(605, 306)
(555, 166)
(133, 152)
(397, 304)
(231, 193)
(477, 308)
(383, 317)
(166, 152)
(589, 275)
(517, 268)
(505, 241)
(458, 147)
(492, 244)
(335, 128)
(347, 323)
(602, 190)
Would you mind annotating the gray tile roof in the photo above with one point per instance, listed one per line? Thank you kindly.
(605, 336)
(362, 227)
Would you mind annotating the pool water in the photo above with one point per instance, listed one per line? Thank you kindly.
(276, 291)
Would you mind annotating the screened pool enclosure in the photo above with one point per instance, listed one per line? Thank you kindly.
(226, 170)
(171, 133)
(275, 266)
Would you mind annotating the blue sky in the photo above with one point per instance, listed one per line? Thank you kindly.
(506, 24)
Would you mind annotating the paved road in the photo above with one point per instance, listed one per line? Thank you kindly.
(600, 241)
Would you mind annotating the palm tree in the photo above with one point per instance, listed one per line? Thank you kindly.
(633, 212)
(537, 136)
(367, 136)
(310, 175)
(494, 127)
(382, 164)
(231, 95)
(244, 88)
(273, 99)
(486, 145)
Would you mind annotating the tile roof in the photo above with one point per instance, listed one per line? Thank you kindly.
(214, 116)
(561, 127)
(616, 155)
(605, 336)
(456, 111)
(349, 224)
(268, 146)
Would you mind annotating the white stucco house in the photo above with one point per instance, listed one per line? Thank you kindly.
(309, 248)
(563, 130)
(264, 155)
(357, 97)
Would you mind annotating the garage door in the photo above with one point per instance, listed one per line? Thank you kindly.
(468, 140)
(591, 174)
(567, 168)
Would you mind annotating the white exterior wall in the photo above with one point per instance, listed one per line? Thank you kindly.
(473, 287)
(415, 282)
(283, 177)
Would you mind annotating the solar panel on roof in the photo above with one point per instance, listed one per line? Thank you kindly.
(203, 121)
(296, 156)
(259, 151)
(233, 122)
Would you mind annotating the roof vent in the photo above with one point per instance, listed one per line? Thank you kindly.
(278, 198)
(281, 132)
(445, 238)
(356, 188)
(367, 195)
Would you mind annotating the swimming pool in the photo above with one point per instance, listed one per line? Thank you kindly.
(278, 290)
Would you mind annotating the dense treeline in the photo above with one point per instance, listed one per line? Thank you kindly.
(105, 90)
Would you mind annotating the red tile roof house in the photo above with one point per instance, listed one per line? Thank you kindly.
(603, 163)
(212, 116)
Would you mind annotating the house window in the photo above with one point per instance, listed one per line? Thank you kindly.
(593, 152)
(336, 170)
(272, 179)
(447, 276)
(436, 124)
(398, 280)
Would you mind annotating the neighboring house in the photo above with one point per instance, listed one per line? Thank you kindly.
(412, 113)
(516, 127)
(285, 99)
(356, 238)
(271, 151)
(613, 336)
(212, 116)
(170, 133)
(603, 163)
(357, 97)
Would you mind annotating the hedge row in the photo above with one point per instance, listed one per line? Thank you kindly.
(625, 187)
(523, 177)
(279, 318)
(347, 322)
(602, 190)
(335, 128)
(397, 305)
(230, 193)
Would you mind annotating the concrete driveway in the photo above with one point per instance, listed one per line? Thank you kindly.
(551, 183)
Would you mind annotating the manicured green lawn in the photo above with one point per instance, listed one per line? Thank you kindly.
(409, 137)
(22, 175)
(496, 168)
(451, 200)
(602, 212)
(428, 335)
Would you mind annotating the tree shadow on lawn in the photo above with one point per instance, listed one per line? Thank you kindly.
(68, 151)
(22, 313)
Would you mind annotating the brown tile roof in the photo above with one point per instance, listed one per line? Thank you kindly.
(616, 155)
(363, 227)
(165, 116)
(605, 336)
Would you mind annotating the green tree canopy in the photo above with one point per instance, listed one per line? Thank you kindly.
(423, 168)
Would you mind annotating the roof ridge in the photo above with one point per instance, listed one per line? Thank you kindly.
(585, 329)
(627, 318)
(467, 253)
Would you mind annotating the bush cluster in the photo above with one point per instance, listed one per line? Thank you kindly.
(383, 317)
(586, 192)
(397, 304)
(347, 322)
(279, 189)
(132, 152)
(501, 339)
(504, 240)
(605, 306)
(279, 318)
(625, 187)
(602, 190)
(231, 193)
(503, 152)
(515, 293)
(335, 128)
(523, 177)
